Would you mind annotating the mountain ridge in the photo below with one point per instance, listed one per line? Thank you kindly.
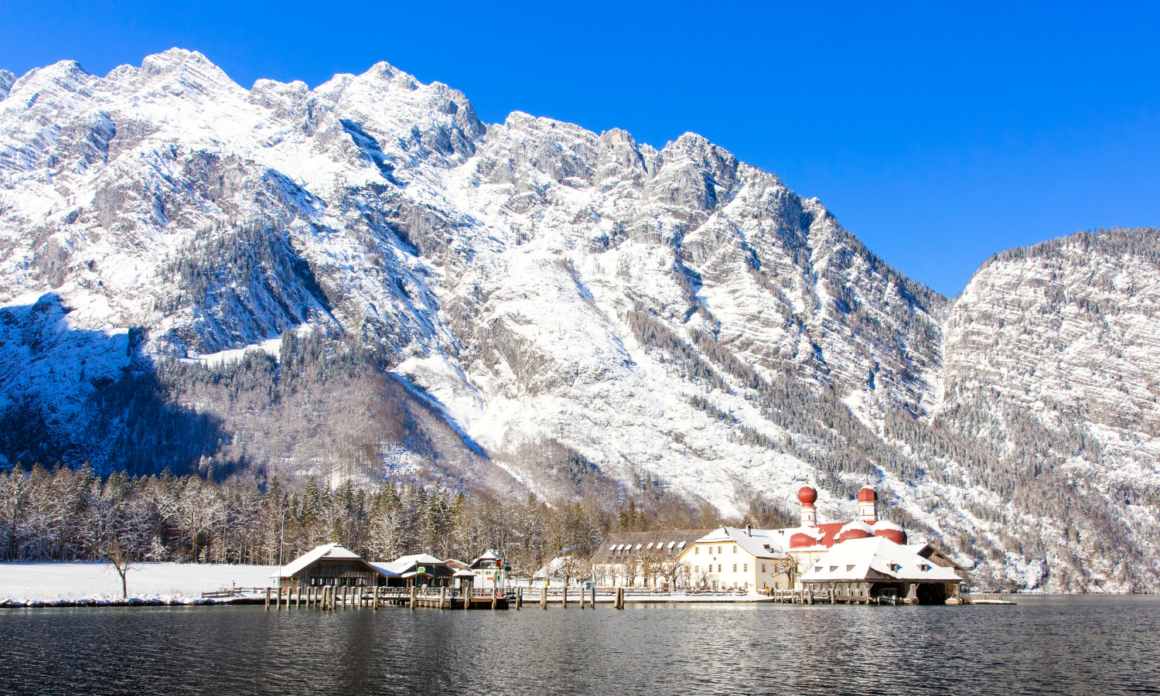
(364, 280)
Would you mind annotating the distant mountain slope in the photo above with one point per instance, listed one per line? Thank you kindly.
(364, 280)
(1051, 356)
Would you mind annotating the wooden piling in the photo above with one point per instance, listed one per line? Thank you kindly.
(412, 597)
(519, 598)
(593, 596)
(565, 596)
(544, 597)
(267, 599)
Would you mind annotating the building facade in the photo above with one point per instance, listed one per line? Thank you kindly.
(732, 558)
(645, 559)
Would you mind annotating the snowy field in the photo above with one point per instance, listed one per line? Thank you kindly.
(71, 581)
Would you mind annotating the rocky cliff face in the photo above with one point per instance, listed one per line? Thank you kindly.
(1050, 364)
(364, 280)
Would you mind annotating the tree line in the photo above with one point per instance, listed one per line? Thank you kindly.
(65, 514)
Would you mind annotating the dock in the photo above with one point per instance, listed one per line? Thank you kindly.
(331, 598)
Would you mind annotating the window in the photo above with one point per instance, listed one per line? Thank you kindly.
(696, 550)
(718, 550)
(734, 567)
(745, 568)
(718, 567)
(833, 569)
(696, 569)
(850, 567)
(817, 569)
(735, 548)
(763, 567)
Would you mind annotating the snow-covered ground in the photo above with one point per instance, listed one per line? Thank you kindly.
(71, 581)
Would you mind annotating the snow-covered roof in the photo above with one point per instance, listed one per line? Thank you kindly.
(403, 565)
(887, 524)
(420, 558)
(488, 556)
(759, 543)
(876, 559)
(390, 570)
(329, 551)
(464, 573)
(668, 543)
(856, 524)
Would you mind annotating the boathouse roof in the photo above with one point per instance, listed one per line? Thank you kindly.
(876, 559)
(327, 551)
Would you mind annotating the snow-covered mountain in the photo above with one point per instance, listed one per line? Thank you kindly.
(364, 280)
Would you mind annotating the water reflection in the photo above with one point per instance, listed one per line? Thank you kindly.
(1044, 645)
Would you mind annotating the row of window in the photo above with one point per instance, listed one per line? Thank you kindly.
(709, 568)
(615, 548)
(697, 549)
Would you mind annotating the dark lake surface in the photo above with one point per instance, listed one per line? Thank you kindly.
(1045, 645)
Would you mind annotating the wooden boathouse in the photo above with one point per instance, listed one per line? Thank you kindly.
(877, 569)
(329, 565)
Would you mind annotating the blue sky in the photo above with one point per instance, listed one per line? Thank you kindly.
(939, 135)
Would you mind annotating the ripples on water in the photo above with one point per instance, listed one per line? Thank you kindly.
(1082, 645)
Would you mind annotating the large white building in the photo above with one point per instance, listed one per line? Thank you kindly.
(731, 558)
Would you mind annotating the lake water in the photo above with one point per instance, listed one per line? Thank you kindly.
(1045, 645)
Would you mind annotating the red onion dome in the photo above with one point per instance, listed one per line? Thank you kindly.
(891, 531)
(867, 495)
(808, 495)
(854, 530)
(801, 541)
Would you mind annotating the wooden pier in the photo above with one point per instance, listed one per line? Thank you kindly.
(332, 598)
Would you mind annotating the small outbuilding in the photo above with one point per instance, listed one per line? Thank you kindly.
(328, 565)
(416, 569)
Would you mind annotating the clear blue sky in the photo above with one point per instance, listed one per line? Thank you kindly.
(938, 135)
